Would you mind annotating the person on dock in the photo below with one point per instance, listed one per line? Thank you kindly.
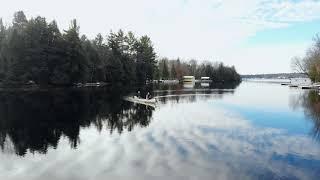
(148, 96)
(138, 94)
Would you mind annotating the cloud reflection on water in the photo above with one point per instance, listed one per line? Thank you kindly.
(183, 141)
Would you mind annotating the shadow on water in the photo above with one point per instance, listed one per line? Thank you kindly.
(35, 121)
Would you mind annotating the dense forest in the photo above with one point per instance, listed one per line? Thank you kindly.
(36, 51)
(310, 63)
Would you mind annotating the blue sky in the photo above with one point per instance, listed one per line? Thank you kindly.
(296, 33)
(257, 36)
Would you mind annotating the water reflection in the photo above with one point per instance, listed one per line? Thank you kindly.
(205, 84)
(185, 92)
(177, 87)
(35, 121)
(189, 85)
(197, 133)
(310, 102)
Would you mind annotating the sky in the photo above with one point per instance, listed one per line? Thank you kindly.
(256, 36)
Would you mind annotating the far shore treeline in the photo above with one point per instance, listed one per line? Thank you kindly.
(34, 50)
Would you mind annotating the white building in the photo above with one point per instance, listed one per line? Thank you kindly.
(188, 79)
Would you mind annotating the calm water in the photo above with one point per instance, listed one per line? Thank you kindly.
(256, 131)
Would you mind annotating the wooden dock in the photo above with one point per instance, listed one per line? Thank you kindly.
(306, 86)
(285, 84)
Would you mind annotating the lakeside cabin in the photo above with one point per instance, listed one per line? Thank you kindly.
(205, 79)
(188, 78)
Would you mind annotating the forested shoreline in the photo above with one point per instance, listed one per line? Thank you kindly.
(176, 69)
(38, 52)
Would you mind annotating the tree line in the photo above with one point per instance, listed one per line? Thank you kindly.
(36, 51)
(176, 69)
(309, 64)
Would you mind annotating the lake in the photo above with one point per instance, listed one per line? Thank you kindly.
(249, 131)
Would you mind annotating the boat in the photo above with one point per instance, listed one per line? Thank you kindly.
(96, 84)
(147, 102)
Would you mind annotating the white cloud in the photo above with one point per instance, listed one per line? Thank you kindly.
(265, 58)
(207, 29)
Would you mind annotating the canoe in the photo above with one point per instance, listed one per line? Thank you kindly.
(142, 100)
(148, 102)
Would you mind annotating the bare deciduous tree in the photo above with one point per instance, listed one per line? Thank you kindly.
(300, 65)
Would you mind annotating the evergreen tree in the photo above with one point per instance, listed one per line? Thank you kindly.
(2, 31)
(75, 58)
(173, 72)
(103, 54)
(3, 63)
(114, 65)
(165, 70)
(19, 20)
(145, 59)
(179, 72)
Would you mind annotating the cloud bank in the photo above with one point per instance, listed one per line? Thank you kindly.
(205, 30)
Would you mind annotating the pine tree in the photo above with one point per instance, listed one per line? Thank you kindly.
(173, 72)
(77, 64)
(165, 70)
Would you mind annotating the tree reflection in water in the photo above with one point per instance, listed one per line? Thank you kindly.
(311, 104)
(35, 121)
(177, 92)
(309, 101)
